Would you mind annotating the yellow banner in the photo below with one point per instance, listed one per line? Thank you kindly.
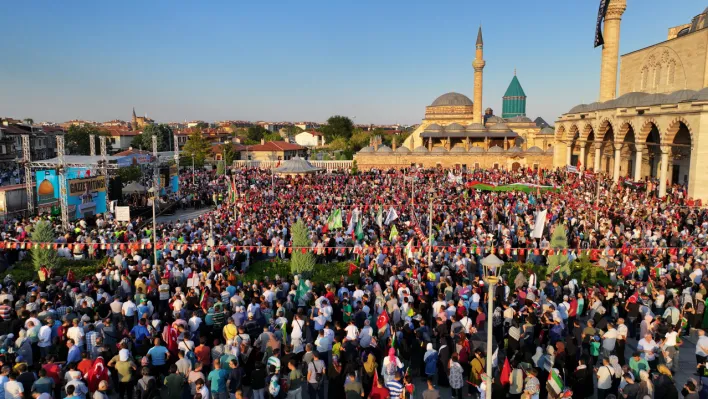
(91, 184)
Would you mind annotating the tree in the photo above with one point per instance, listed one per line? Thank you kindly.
(43, 232)
(292, 130)
(29, 121)
(130, 174)
(202, 125)
(256, 133)
(338, 127)
(229, 153)
(359, 139)
(164, 138)
(301, 263)
(272, 136)
(77, 140)
(220, 168)
(558, 262)
(196, 146)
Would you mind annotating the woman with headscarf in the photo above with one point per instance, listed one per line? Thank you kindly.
(646, 388)
(391, 365)
(664, 385)
(368, 375)
(98, 373)
(23, 348)
(430, 359)
(335, 377)
(645, 325)
(456, 376)
(537, 357)
(444, 353)
(617, 375)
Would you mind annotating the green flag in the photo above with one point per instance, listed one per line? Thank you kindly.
(283, 328)
(301, 289)
(394, 233)
(337, 220)
(359, 231)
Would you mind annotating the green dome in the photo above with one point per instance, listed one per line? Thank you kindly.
(515, 89)
(514, 100)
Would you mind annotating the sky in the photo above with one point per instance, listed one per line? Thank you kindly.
(374, 61)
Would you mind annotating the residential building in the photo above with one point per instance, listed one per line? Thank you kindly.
(310, 139)
(273, 151)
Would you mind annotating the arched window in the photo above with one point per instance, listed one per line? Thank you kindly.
(644, 78)
(657, 76)
(670, 72)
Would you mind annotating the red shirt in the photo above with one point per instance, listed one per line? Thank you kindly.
(52, 370)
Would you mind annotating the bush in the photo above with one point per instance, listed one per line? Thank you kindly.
(23, 271)
(43, 232)
(320, 274)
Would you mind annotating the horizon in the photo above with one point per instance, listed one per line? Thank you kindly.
(375, 63)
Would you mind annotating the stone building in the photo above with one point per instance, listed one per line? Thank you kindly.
(455, 134)
(655, 127)
(139, 122)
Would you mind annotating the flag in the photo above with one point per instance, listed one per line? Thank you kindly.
(379, 217)
(284, 329)
(301, 289)
(555, 382)
(539, 224)
(579, 164)
(505, 377)
(391, 216)
(334, 221)
(352, 268)
(393, 340)
(376, 378)
(382, 321)
(359, 231)
(599, 40)
(394, 233)
(409, 249)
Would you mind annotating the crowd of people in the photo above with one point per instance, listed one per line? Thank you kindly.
(409, 320)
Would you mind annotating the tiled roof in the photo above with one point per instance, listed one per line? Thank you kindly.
(275, 146)
(131, 151)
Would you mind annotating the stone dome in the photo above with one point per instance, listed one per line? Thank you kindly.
(549, 150)
(495, 119)
(680, 96)
(475, 149)
(433, 128)
(547, 130)
(384, 149)
(458, 150)
(702, 94)
(475, 127)
(519, 119)
(451, 98)
(402, 150)
(535, 150)
(439, 150)
(514, 149)
(421, 149)
(496, 148)
(454, 128)
(367, 149)
(499, 127)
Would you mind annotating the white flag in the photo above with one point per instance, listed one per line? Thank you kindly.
(391, 216)
(539, 224)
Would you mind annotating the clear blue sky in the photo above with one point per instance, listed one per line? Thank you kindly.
(378, 61)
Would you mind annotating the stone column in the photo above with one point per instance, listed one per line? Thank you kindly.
(663, 169)
(618, 160)
(582, 144)
(568, 153)
(598, 154)
(610, 50)
(638, 161)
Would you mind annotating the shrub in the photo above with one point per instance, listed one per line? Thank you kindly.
(43, 232)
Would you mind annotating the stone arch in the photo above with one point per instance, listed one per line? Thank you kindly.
(587, 129)
(572, 132)
(604, 127)
(646, 128)
(560, 133)
(673, 129)
(624, 128)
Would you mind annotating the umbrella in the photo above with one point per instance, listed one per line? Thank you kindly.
(133, 188)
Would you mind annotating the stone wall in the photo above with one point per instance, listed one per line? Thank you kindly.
(665, 67)
(485, 161)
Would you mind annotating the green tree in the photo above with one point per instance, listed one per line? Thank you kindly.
(272, 136)
(230, 153)
(359, 139)
(43, 232)
(338, 127)
(77, 140)
(130, 174)
(558, 262)
(196, 146)
(220, 169)
(202, 125)
(292, 130)
(256, 133)
(301, 263)
(164, 138)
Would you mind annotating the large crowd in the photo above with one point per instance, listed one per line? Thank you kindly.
(410, 318)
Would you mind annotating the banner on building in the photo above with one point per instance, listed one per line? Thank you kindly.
(599, 40)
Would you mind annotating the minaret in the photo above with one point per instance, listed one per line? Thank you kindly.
(134, 121)
(478, 66)
(610, 50)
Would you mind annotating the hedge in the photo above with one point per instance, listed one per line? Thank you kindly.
(322, 273)
(24, 271)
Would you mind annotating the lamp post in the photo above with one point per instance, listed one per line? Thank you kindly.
(154, 224)
(491, 266)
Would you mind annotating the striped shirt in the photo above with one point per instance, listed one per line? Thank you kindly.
(394, 388)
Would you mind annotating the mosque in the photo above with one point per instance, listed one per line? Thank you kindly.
(456, 134)
(655, 127)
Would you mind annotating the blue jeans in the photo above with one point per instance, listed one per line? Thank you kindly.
(315, 391)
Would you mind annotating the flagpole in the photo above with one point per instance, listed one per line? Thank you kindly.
(430, 229)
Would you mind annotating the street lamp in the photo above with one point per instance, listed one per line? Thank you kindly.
(491, 266)
(152, 191)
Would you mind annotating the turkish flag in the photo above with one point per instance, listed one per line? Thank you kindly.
(382, 320)
(352, 268)
(505, 376)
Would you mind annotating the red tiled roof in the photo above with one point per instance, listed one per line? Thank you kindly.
(118, 132)
(275, 146)
(131, 151)
(219, 148)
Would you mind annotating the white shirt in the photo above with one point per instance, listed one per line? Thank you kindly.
(702, 346)
(670, 338)
(45, 337)
(647, 348)
(77, 334)
(13, 390)
(129, 309)
(604, 377)
(352, 332)
(609, 338)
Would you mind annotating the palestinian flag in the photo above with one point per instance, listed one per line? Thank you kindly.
(334, 221)
(359, 231)
(525, 187)
(301, 289)
(555, 382)
(394, 233)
